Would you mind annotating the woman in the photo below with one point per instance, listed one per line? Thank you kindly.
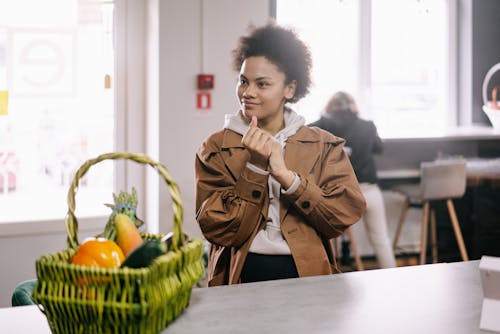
(271, 192)
(341, 117)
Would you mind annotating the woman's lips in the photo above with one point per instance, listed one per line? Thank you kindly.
(249, 105)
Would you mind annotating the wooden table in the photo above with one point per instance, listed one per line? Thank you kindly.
(436, 298)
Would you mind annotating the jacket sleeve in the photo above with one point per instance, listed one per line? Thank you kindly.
(228, 207)
(335, 202)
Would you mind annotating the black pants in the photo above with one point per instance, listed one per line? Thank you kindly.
(260, 267)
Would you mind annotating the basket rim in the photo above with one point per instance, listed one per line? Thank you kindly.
(47, 260)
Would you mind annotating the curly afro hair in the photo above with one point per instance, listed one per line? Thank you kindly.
(282, 47)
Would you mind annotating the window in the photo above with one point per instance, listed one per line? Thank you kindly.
(331, 29)
(392, 55)
(56, 66)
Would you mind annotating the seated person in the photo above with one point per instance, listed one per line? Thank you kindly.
(341, 118)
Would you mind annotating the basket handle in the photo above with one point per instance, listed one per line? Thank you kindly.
(71, 221)
(486, 81)
(494, 93)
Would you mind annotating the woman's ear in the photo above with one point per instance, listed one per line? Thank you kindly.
(290, 89)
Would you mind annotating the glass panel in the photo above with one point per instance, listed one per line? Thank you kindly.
(54, 56)
(331, 29)
(408, 61)
(409, 65)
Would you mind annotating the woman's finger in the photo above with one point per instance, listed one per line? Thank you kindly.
(253, 122)
(255, 139)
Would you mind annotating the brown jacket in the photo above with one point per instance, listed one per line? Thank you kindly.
(232, 201)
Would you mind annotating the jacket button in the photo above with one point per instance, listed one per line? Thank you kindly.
(255, 194)
(305, 205)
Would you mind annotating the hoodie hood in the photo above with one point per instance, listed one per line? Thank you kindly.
(293, 121)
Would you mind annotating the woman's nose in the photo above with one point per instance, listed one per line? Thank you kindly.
(248, 91)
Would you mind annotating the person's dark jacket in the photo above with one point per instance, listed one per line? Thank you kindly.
(361, 136)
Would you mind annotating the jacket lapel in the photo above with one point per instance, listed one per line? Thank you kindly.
(300, 157)
(237, 156)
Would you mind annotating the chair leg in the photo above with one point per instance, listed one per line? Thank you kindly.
(456, 228)
(423, 236)
(402, 219)
(354, 247)
(434, 236)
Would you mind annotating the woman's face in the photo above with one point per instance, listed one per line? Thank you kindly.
(262, 91)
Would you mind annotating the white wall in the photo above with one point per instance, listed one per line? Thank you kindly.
(20, 247)
(182, 127)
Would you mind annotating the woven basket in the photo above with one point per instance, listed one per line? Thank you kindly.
(80, 299)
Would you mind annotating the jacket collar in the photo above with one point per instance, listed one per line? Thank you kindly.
(231, 139)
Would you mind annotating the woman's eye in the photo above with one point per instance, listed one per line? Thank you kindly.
(243, 81)
(263, 84)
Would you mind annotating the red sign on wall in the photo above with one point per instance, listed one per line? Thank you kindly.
(203, 101)
(205, 81)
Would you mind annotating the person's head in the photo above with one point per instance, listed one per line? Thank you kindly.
(341, 102)
(274, 68)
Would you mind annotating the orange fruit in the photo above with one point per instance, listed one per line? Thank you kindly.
(99, 252)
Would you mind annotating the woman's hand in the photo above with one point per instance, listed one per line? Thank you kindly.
(257, 142)
(267, 154)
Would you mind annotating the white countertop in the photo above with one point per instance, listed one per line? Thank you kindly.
(23, 320)
(434, 298)
(457, 133)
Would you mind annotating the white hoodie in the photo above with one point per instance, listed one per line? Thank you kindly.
(270, 240)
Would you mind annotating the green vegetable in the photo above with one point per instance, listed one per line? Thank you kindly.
(124, 203)
(144, 255)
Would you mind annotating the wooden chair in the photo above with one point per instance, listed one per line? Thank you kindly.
(439, 180)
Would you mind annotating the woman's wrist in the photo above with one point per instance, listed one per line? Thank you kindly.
(285, 178)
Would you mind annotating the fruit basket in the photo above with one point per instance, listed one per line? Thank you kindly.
(89, 299)
(492, 108)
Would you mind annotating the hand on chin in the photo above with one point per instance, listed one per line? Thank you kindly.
(247, 115)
